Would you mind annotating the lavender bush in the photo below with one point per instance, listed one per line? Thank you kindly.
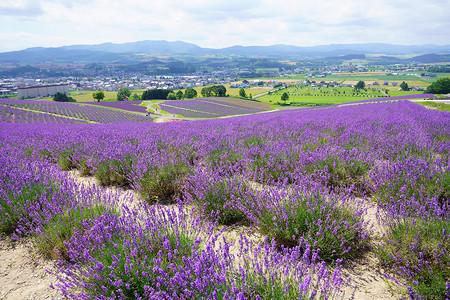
(292, 175)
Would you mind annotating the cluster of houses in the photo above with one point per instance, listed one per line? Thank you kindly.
(27, 88)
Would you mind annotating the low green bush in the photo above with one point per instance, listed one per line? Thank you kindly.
(419, 251)
(58, 231)
(163, 185)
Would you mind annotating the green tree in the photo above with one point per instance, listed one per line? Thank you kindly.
(99, 96)
(206, 91)
(135, 97)
(285, 97)
(190, 93)
(404, 86)
(242, 93)
(360, 85)
(219, 90)
(62, 97)
(442, 86)
(179, 95)
(171, 96)
(123, 94)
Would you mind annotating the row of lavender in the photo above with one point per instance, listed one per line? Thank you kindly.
(84, 112)
(13, 115)
(205, 108)
(292, 175)
(403, 97)
(107, 250)
(133, 106)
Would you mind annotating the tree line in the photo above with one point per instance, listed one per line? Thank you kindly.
(164, 94)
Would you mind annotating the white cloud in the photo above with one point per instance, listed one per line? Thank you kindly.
(223, 23)
(20, 8)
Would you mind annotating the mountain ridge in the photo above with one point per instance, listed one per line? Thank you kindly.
(123, 52)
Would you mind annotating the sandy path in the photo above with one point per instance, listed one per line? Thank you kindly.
(23, 272)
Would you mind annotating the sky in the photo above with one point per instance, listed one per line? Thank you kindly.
(223, 23)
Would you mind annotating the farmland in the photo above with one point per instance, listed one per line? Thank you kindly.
(28, 111)
(300, 95)
(212, 107)
(267, 206)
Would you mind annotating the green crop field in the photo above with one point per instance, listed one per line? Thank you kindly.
(86, 96)
(304, 96)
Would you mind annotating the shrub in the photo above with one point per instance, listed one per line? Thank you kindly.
(336, 230)
(62, 97)
(419, 252)
(335, 172)
(55, 234)
(66, 160)
(19, 209)
(163, 185)
(222, 198)
(115, 172)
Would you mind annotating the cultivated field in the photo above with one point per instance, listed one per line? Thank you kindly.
(319, 96)
(212, 107)
(310, 203)
(31, 111)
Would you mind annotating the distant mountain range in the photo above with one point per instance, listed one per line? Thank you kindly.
(129, 52)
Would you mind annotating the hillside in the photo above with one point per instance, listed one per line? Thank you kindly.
(126, 52)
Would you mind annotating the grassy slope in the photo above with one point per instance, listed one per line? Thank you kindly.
(436, 105)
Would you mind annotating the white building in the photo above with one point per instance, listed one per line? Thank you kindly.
(42, 91)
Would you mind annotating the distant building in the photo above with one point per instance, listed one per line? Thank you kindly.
(394, 83)
(375, 83)
(386, 82)
(42, 91)
(5, 91)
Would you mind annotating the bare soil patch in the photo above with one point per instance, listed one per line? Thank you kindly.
(23, 272)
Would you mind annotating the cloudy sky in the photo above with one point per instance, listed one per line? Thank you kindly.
(222, 23)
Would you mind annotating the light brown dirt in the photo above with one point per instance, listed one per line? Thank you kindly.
(367, 276)
(23, 272)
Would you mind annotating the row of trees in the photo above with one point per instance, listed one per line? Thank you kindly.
(155, 94)
(215, 90)
(189, 93)
(125, 94)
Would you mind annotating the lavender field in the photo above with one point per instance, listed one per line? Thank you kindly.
(205, 108)
(124, 105)
(311, 191)
(61, 110)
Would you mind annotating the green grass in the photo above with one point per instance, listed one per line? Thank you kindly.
(403, 93)
(437, 105)
(86, 96)
(310, 96)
